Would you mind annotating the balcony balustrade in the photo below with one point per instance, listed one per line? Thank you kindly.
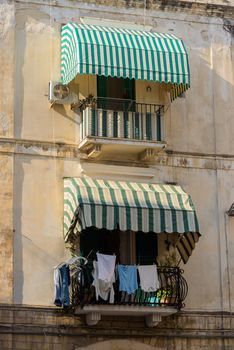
(121, 122)
(153, 305)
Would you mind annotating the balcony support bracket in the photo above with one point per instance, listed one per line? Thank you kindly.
(93, 318)
(147, 155)
(95, 151)
(152, 320)
(152, 315)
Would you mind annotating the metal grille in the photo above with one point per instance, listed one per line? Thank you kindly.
(172, 292)
(126, 119)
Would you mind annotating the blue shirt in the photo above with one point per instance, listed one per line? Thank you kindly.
(127, 278)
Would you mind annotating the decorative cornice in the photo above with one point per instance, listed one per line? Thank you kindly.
(35, 148)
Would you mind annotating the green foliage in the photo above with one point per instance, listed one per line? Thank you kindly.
(169, 260)
(163, 293)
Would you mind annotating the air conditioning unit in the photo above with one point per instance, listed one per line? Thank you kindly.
(61, 94)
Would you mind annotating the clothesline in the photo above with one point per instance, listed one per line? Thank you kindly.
(105, 272)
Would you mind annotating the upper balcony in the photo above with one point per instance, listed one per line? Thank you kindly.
(123, 63)
(110, 125)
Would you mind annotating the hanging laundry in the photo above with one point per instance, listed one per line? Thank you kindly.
(106, 267)
(61, 286)
(127, 278)
(103, 289)
(148, 278)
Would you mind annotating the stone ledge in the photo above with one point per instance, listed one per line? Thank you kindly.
(191, 7)
(38, 320)
(70, 151)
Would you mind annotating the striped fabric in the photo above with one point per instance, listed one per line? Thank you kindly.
(116, 52)
(127, 125)
(131, 206)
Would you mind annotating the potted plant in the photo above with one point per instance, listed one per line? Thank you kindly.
(90, 101)
(168, 293)
(170, 259)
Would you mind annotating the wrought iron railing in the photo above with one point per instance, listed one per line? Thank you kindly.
(125, 105)
(122, 119)
(172, 292)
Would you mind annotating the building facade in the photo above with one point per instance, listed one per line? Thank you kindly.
(43, 143)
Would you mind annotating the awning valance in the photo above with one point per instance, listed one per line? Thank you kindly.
(130, 206)
(127, 53)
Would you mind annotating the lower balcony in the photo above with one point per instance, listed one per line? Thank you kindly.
(168, 299)
(113, 126)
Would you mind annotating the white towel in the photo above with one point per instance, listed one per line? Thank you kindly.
(106, 267)
(148, 278)
(102, 289)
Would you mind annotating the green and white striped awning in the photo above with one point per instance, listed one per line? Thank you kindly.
(127, 53)
(130, 206)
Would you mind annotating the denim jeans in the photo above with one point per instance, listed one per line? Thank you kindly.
(61, 285)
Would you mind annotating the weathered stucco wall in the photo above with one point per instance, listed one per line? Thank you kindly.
(44, 328)
(43, 148)
(6, 161)
(6, 231)
(210, 96)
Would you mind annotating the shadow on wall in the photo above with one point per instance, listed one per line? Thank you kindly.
(65, 111)
(20, 48)
(200, 121)
(18, 244)
(38, 239)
